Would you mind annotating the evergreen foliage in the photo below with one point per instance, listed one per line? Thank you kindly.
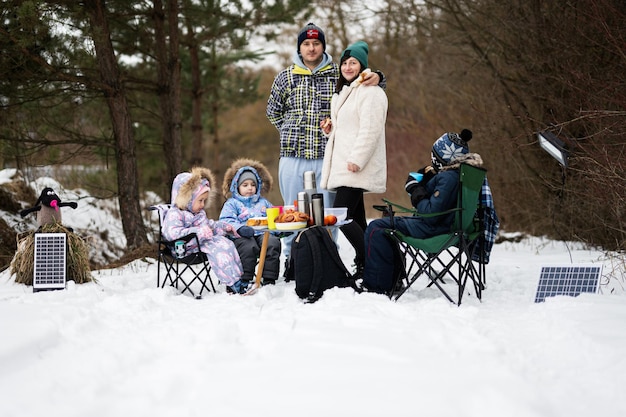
(505, 70)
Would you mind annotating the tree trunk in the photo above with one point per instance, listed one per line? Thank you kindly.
(197, 148)
(214, 92)
(168, 74)
(127, 183)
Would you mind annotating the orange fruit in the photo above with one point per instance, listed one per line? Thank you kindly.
(330, 219)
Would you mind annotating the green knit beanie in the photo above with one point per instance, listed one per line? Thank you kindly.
(358, 50)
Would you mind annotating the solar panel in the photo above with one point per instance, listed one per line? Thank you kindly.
(568, 280)
(50, 261)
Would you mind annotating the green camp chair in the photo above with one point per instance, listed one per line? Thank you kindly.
(447, 257)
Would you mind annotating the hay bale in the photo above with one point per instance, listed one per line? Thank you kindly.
(22, 265)
(7, 244)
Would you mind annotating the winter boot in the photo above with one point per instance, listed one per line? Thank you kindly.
(238, 287)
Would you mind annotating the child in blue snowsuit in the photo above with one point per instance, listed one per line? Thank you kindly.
(245, 181)
(190, 194)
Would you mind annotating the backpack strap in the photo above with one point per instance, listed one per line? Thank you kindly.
(335, 255)
(314, 236)
(328, 241)
(331, 246)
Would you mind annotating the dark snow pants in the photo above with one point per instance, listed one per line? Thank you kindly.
(249, 249)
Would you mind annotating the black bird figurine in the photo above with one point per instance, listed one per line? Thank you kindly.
(47, 207)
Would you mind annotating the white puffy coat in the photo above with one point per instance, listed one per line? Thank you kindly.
(358, 114)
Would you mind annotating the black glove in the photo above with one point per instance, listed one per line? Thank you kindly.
(418, 194)
(428, 174)
(245, 231)
(411, 182)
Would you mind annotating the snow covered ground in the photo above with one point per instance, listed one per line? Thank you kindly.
(122, 347)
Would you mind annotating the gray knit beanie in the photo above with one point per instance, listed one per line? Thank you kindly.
(247, 175)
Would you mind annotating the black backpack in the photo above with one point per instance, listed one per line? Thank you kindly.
(315, 264)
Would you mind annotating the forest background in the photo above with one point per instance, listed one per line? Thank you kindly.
(129, 93)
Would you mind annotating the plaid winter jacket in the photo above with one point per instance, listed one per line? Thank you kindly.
(299, 100)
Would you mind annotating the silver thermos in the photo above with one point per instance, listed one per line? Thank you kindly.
(304, 205)
(309, 184)
(309, 180)
(317, 209)
(310, 187)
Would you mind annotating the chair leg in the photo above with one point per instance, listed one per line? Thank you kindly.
(169, 272)
(158, 270)
(468, 270)
(204, 275)
(454, 261)
(201, 272)
(187, 285)
(426, 267)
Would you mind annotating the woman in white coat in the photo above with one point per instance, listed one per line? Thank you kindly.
(355, 159)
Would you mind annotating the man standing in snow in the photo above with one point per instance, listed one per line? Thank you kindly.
(299, 102)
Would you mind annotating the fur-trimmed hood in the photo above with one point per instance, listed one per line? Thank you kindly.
(231, 177)
(188, 185)
(472, 159)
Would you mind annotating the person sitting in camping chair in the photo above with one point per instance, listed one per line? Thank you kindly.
(434, 192)
(190, 193)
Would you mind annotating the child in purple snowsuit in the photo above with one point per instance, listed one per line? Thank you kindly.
(190, 194)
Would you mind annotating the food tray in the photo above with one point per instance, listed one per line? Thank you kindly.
(290, 225)
(261, 226)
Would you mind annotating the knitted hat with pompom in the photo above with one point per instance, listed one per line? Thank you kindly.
(450, 146)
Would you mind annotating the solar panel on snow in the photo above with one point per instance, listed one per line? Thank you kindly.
(569, 280)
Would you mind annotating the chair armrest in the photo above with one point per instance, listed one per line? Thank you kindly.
(187, 238)
(159, 207)
(413, 212)
(172, 247)
(399, 208)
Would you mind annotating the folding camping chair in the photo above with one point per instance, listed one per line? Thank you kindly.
(178, 264)
(446, 255)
